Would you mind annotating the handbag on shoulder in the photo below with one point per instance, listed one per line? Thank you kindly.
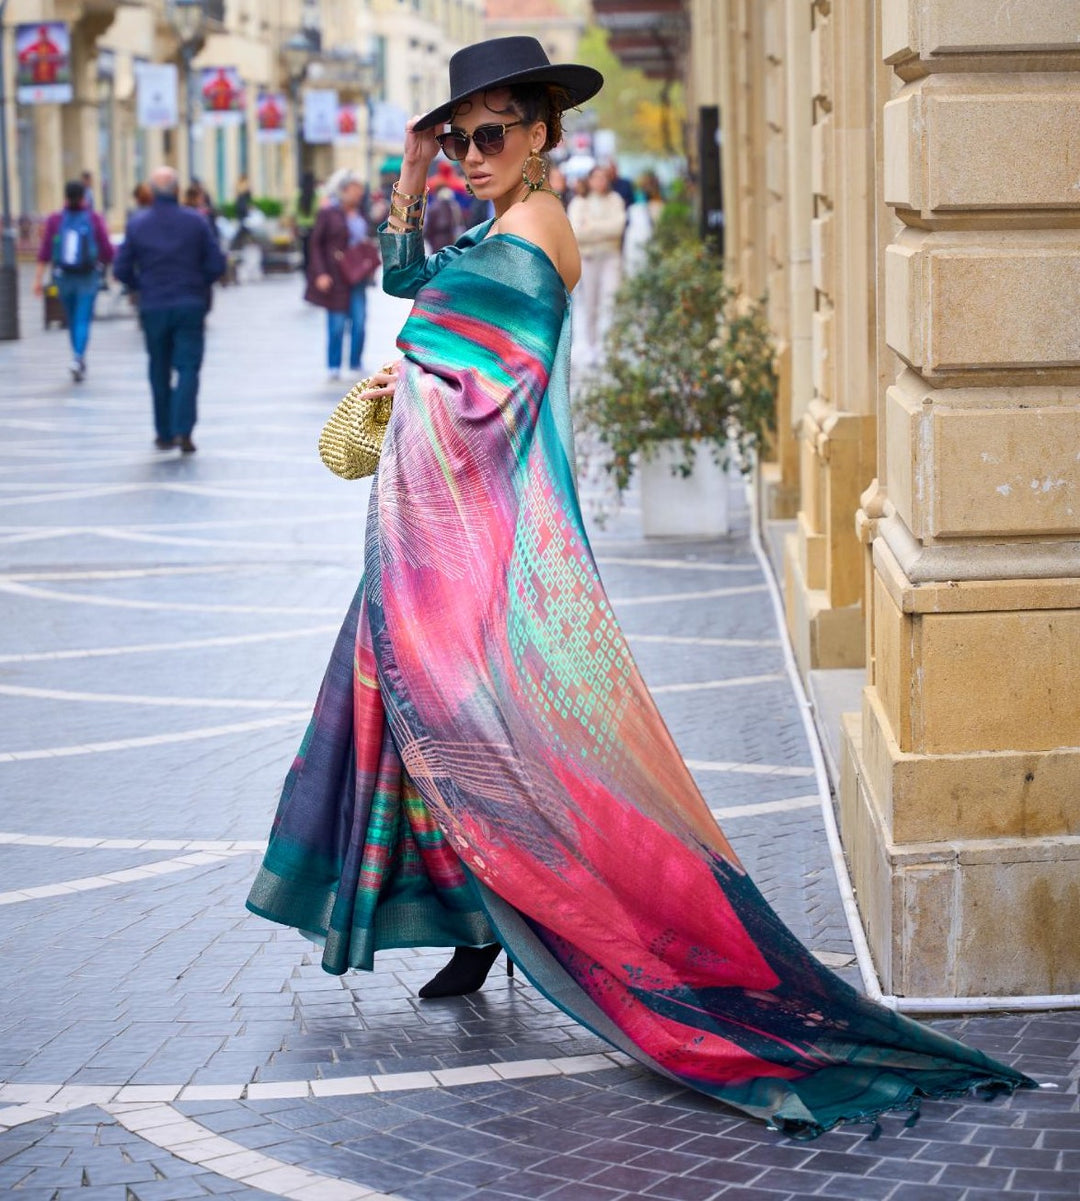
(359, 262)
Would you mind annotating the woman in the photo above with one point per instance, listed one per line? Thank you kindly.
(338, 226)
(598, 219)
(75, 244)
(485, 765)
(641, 219)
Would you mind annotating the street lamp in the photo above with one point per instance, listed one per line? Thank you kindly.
(9, 271)
(188, 18)
(296, 53)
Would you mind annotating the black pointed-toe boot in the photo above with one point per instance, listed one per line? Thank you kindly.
(465, 973)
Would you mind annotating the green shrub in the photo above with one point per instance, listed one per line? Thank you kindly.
(685, 359)
(269, 205)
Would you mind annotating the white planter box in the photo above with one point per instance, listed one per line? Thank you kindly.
(674, 506)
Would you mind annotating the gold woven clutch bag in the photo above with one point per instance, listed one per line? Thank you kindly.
(352, 438)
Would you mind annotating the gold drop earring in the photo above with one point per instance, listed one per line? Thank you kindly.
(533, 163)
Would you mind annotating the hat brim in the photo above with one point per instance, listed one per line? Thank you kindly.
(581, 84)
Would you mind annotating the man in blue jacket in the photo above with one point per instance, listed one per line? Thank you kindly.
(171, 257)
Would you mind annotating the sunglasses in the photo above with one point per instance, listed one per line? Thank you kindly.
(488, 139)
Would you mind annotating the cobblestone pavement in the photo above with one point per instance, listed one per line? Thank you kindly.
(166, 620)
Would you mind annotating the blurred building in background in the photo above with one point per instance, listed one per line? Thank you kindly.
(556, 24)
(315, 84)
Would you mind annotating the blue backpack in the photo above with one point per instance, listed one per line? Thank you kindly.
(75, 249)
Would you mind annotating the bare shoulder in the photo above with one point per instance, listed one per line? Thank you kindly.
(537, 218)
(541, 220)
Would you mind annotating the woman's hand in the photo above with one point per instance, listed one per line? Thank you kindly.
(383, 381)
(420, 150)
(324, 282)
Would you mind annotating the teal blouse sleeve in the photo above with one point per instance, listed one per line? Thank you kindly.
(405, 266)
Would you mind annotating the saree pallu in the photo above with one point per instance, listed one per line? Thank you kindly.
(485, 760)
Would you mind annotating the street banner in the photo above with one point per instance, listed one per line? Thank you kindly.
(43, 58)
(271, 115)
(348, 124)
(157, 96)
(388, 122)
(222, 92)
(603, 144)
(320, 116)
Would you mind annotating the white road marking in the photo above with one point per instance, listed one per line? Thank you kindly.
(125, 698)
(154, 648)
(223, 846)
(132, 573)
(788, 805)
(118, 602)
(128, 744)
(674, 564)
(183, 1137)
(49, 1099)
(703, 685)
(623, 602)
(128, 875)
(686, 641)
(748, 769)
(73, 494)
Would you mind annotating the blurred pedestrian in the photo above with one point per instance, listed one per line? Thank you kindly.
(242, 206)
(206, 205)
(445, 221)
(641, 219)
(339, 227)
(557, 183)
(303, 215)
(194, 199)
(87, 180)
(171, 257)
(75, 243)
(598, 219)
(620, 185)
(142, 195)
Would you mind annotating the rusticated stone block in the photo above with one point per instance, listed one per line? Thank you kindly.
(963, 302)
(1005, 471)
(821, 157)
(970, 692)
(958, 468)
(931, 28)
(984, 142)
(822, 254)
(976, 795)
(821, 61)
(824, 354)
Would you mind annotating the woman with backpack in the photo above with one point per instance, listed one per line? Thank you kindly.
(76, 244)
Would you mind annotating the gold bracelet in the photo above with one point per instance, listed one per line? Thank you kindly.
(411, 200)
(409, 212)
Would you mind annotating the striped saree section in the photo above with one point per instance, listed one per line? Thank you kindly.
(490, 758)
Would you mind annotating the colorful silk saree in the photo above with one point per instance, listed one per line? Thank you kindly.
(484, 760)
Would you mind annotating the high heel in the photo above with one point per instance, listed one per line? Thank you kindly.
(465, 973)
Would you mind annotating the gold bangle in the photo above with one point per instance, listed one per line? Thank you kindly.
(409, 212)
(412, 200)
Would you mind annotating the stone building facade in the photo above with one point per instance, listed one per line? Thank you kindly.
(901, 179)
(387, 56)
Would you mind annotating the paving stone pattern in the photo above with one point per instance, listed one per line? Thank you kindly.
(166, 623)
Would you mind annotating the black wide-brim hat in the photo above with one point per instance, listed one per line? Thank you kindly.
(500, 62)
